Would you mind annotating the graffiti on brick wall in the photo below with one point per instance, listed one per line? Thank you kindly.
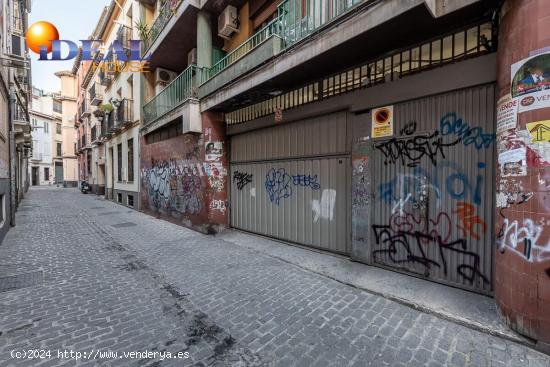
(177, 186)
(278, 184)
(523, 239)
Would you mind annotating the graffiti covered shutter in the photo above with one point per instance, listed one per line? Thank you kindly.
(433, 184)
(291, 182)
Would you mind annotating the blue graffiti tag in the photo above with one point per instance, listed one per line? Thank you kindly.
(278, 184)
(451, 124)
(306, 181)
(455, 183)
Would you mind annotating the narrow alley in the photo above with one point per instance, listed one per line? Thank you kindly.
(90, 282)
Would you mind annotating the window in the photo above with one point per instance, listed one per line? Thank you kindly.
(58, 151)
(131, 200)
(130, 160)
(119, 159)
(34, 122)
(57, 107)
(119, 197)
(47, 173)
(58, 128)
(46, 127)
(89, 163)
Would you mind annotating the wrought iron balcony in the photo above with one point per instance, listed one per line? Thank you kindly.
(96, 94)
(84, 109)
(165, 14)
(124, 36)
(125, 113)
(174, 94)
(105, 74)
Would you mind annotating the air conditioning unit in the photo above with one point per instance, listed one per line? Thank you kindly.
(228, 22)
(192, 57)
(163, 77)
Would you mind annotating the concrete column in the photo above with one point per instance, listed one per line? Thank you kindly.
(522, 220)
(204, 39)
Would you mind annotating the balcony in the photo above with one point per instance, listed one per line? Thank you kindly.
(165, 105)
(110, 124)
(124, 113)
(96, 94)
(105, 76)
(165, 14)
(294, 22)
(84, 109)
(94, 135)
(124, 36)
(259, 48)
(36, 157)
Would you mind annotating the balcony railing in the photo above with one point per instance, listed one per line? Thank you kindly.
(105, 76)
(19, 114)
(272, 28)
(84, 109)
(174, 94)
(124, 36)
(94, 134)
(36, 156)
(125, 113)
(165, 14)
(96, 94)
(293, 23)
(110, 123)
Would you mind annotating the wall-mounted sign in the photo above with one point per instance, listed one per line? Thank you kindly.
(213, 150)
(382, 122)
(539, 131)
(513, 162)
(507, 113)
(531, 82)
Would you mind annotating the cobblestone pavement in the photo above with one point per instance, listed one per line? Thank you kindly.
(95, 276)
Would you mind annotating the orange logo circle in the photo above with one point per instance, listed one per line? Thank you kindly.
(41, 34)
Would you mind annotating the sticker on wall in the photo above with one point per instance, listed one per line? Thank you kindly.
(531, 81)
(513, 162)
(382, 122)
(214, 150)
(507, 113)
(278, 114)
(539, 131)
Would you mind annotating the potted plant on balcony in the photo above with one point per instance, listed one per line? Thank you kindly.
(143, 30)
(106, 108)
(99, 114)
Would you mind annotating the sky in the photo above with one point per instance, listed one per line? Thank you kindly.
(75, 20)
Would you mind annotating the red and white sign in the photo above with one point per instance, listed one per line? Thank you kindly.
(507, 113)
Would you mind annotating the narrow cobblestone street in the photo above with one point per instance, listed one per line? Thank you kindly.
(84, 275)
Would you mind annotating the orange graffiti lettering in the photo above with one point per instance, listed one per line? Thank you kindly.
(467, 215)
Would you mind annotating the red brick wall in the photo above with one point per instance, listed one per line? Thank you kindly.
(522, 278)
(183, 185)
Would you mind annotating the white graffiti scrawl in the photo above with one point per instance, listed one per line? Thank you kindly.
(325, 207)
(523, 240)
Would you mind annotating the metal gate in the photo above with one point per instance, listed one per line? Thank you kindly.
(434, 189)
(292, 182)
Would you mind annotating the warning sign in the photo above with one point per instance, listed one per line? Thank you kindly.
(382, 122)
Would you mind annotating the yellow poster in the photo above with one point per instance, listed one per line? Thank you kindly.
(382, 122)
(539, 131)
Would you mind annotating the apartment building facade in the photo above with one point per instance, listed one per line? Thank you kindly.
(363, 128)
(44, 136)
(15, 129)
(111, 111)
